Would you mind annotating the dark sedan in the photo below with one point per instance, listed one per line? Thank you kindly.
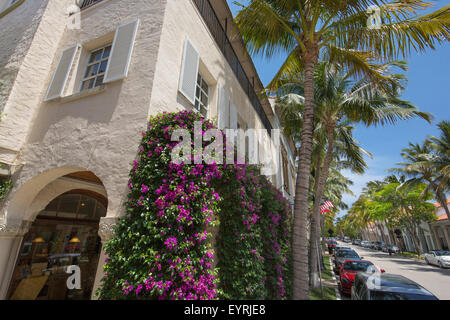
(382, 286)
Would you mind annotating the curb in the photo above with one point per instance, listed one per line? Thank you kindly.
(410, 258)
(336, 290)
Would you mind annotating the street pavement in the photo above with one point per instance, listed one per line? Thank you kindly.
(432, 278)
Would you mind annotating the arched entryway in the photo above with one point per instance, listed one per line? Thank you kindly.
(61, 245)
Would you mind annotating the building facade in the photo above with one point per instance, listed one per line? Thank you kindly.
(432, 236)
(78, 82)
(440, 229)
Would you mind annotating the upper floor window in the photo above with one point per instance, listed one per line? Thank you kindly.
(96, 67)
(104, 65)
(201, 95)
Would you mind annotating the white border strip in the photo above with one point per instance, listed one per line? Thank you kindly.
(336, 290)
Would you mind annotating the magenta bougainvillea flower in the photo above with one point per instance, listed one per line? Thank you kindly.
(171, 243)
(162, 247)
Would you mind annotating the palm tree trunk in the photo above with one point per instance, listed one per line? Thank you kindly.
(413, 233)
(300, 286)
(441, 198)
(324, 245)
(383, 236)
(313, 226)
(315, 231)
(443, 201)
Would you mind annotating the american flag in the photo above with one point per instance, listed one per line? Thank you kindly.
(325, 206)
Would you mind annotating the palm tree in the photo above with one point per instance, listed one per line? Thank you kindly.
(440, 159)
(419, 169)
(341, 101)
(337, 29)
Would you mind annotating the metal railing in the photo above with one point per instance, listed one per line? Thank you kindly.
(212, 21)
(88, 3)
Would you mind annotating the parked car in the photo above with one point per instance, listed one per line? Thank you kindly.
(356, 242)
(390, 248)
(368, 244)
(349, 270)
(377, 245)
(341, 248)
(384, 286)
(372, 245)
(347, 240)
(331, 244)
(364, 244)
(342, 256)
(440, 258)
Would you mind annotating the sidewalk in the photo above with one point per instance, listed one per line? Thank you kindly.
(329, 283)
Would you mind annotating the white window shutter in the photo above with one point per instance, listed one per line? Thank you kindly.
(122, 49)
(189, 71)
(280, 172)
(233, 116)
(290, 180)
(223, 109)
(59, 79)
(257, 150)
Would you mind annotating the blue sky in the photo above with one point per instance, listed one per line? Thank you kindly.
(428, 88)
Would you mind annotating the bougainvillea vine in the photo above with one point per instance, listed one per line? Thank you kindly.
(162, 248)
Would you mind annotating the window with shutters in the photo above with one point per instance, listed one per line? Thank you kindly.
(201, 95)
(96, 67)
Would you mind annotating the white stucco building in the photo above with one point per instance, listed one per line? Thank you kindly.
(77, 86)
(432, 236)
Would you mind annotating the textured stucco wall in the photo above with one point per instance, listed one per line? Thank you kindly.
(100, 133)
(26, 93)
(15, 39)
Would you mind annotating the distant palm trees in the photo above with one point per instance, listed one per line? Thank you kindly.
(337, 30)
(392, 204)
(402, 201)
(340, 101)
(429, 163)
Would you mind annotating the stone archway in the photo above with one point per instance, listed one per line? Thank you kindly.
(28, 202)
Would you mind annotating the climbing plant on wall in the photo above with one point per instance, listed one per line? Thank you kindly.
(160, 249)
(253, 242)
(5, 186)
(162, 246)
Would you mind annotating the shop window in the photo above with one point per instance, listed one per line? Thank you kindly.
(64, 234)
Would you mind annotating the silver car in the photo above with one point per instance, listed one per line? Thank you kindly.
(440, 258)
